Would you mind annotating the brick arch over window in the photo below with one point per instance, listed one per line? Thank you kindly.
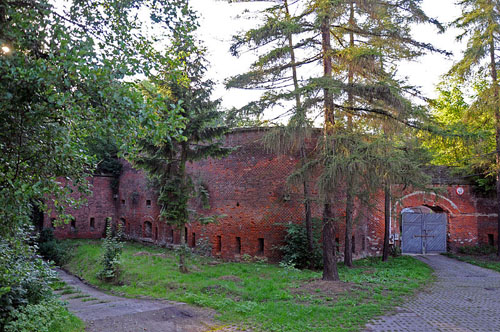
(434, 201)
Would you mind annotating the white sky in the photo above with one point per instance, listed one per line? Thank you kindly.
(219, 22)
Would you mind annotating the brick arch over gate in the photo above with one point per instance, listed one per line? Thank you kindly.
(468, 219)
(431, 200)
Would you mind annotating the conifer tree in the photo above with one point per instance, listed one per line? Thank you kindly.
(277, 70)
(480, 21)
(164, 159)
(355, 91)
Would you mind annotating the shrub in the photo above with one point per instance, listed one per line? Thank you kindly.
(295, 251)
(37, 317)
(24, 278)
(52, 249)
(112, 249)
(482, 249)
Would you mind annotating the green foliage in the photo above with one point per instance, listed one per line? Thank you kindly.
(46, 316)
(112, 250)
(468, 140)
(179, 88)
(52, 249)
(24, 278)
(359, 46)
(295, 250)
(478, 250)
(105, 151)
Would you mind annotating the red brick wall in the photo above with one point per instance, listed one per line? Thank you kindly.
(249, 188)
(99, 206)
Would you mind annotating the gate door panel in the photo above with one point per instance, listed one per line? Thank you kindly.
(423, 233)
(412, 228)
(434, 226)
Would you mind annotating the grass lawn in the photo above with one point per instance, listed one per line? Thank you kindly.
(259, 296)
(490, 261)
(67, 323)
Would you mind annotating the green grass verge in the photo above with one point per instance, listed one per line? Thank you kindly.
(260, 296)
(67, 323)
(487, 261)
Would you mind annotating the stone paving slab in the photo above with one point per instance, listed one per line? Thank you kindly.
(464, 298)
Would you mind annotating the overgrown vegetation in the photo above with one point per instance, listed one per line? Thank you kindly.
(260, 296)
(296, 250)
(51, 248)
(66, 77)
(482, 249)
(26, 300)
(46, 316)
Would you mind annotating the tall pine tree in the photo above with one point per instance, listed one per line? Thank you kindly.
(355, 42)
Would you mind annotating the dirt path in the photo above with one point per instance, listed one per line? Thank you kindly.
(464, 298)
(102, 312)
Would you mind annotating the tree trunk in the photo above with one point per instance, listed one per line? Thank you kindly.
(307, 205)
(182, 173)
(303, 154)
(494, 78)
(349, 207)
(387, 213)
(329, 260)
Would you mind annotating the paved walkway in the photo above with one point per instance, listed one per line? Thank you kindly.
(464, 298)
(106, 313)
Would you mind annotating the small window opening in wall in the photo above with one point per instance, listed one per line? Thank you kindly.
(73, 224)
(123, 202)
(363, 244)
(52, 222)
(218, 244)
(238, 245)
(123, 223)
(172, 235)
(193, 240)
(261, 246)
(353, 244)
(156, 233)
(237, 203)
(148, 202)
(491, 240)
(185, 235)
(92, 224)
(337, 245)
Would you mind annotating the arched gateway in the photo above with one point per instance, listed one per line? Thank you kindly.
(423, 230)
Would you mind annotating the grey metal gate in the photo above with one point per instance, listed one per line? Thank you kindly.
(423, 233)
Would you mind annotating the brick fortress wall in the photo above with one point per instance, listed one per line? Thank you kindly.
(248, 188)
